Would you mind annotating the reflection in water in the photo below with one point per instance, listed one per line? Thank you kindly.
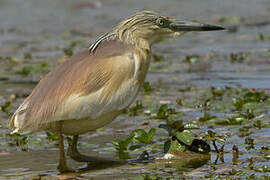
(39, 161)
(101, 163)
(185, 161)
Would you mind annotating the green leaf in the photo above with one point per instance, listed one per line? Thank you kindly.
(110, 149)
(135, 109)
(122, 145)
(140, 135)
(51, 136)
(162, 112)
(18, 140)
(206, 117)
(147, 87)
(179, 102)
(186, 137)
(238, 103)
(254, 97)
(143, 137)
(151, 134)
(191, 126)
(237, 120)
(251, 106)
(157, 58)
(133, 147)
(211, 135)
(174, 147)
(177, 125)
(220, 140)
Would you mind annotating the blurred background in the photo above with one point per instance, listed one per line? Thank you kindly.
(48, 30)
(37, 35)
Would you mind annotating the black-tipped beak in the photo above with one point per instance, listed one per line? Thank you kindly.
(194, 26)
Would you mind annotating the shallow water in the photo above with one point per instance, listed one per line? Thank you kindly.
(45, 28)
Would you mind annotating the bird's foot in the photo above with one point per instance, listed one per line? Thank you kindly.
(75, 155)
(63, 168)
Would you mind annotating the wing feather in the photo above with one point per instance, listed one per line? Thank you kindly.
(59, 96)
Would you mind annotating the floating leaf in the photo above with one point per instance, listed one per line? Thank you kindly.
(220, 140)
(191, 126)
(186, 137)
(249, 113)
(174, 147)
(151, 134)
(210, 136)
(177, 125)
(237, 120)
(143, 137)
(51, 136)
(254, 96)
(6, 107)
(157, 58)
(206, 117)
(134, 110)
(205, 105)
(19, 140)
(133, 147)
(238, 103)
(147, 87)
(109, 149)
(163, 112)
(217, 92)
(122, 145)
(140, 135)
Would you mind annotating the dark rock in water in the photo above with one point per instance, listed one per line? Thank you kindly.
(144, 156)
(200, 146)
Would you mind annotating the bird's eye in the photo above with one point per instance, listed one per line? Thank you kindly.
(160, 22)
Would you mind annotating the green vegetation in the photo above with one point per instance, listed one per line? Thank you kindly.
(194, 122)
(244, 111)
(33, 69)
(137, 136)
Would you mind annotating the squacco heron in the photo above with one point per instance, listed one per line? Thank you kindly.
(94, 86)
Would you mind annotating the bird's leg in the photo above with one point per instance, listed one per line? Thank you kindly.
(74, 153)
(62, 167)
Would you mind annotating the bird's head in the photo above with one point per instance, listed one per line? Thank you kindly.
(153, 27)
